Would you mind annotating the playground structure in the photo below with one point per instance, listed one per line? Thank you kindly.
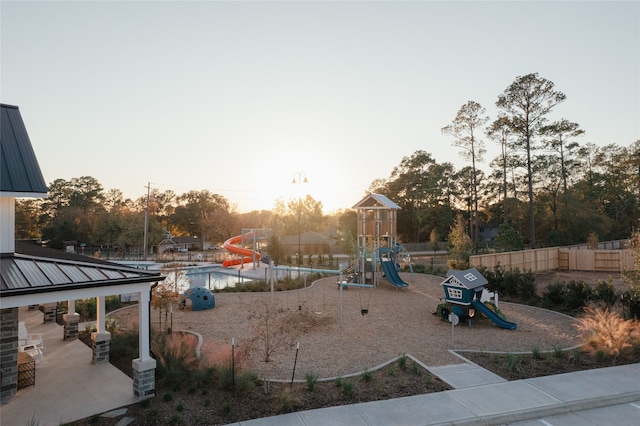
(465, 290)
(378, 250)
(252, 255)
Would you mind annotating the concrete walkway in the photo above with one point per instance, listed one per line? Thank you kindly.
(496, 402)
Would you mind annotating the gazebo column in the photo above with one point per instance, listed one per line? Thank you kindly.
(71, 320)
(100, 339)
(144, 368)
(8, 353)
(49, 311)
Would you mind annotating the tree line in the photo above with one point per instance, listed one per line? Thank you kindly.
(80, 210)
(545, 188)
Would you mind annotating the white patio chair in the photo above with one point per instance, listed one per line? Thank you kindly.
(30, 343)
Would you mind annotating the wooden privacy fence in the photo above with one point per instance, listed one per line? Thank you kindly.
(549, 259)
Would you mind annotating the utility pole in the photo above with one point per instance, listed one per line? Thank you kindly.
(146, 223)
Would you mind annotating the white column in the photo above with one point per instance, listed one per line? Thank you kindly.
(7, 224)
(71, 307)
(100, 315)
(143, 320)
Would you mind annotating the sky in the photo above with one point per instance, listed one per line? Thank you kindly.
(239, 97)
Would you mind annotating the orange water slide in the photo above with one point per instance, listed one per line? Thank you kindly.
(230, 246)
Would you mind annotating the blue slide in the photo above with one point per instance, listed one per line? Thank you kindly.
(493, 316)
(391, 274)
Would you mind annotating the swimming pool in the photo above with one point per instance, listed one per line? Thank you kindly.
(209, 277)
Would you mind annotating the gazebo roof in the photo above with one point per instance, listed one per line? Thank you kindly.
(34, 270)
(376, 202)
(20, 173)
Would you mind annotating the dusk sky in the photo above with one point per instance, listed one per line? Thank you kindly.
(236, 97)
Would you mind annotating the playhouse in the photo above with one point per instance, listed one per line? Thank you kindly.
(465, 292)
(460, 287)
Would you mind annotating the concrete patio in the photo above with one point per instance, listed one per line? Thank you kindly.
(68, 386)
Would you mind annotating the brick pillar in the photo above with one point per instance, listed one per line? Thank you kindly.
(8, 353)
(144, 378)
(49, 310)
(71, 322)
(100, 346)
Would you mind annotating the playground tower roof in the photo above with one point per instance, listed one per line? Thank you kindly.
(376, 202)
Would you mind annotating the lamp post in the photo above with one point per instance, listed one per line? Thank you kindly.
(202, 235)
(298, 178)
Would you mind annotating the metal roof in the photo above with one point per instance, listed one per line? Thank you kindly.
(29, 273)
(470, 278)
(376, 202)
(19, 169)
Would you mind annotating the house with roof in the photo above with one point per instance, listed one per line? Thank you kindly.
(34, 276)
(460, 287)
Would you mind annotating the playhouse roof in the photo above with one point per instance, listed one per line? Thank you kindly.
(469, 278)
(376, 202)
(20, 173)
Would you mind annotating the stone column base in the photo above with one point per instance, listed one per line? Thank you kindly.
(49, 311)
(144, 378)
(8, 354)
(71, 322)
(100, 346)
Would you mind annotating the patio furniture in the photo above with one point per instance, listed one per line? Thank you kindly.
(30, 343)
(26, 370)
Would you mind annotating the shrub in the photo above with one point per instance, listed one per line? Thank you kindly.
(415, 369)
(631, 302)
(536, 353)
(366, 376)
(176, 358)
(312, 380)
(402, 361)
(124, 345)
(347, 388)
(513, 282)
(578, 295)
(554, 294)
(607, 332)
(513, 362)
(605, 292)
(286, 401)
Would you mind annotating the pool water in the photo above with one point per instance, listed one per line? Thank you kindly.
(211, 278)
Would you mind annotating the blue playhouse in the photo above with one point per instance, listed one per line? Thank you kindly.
(466, 294)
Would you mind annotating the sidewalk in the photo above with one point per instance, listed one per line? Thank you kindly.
(497, 402)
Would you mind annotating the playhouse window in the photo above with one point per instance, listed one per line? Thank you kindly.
(454, 293)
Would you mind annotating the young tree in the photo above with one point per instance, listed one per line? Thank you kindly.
(465, 129)
(459, 245)
(526, 102)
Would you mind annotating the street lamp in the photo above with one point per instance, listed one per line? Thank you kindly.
(301, 178)
(202, 235)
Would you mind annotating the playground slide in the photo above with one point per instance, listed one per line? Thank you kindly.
(493, 316)
(247, 254)
(390, 272)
